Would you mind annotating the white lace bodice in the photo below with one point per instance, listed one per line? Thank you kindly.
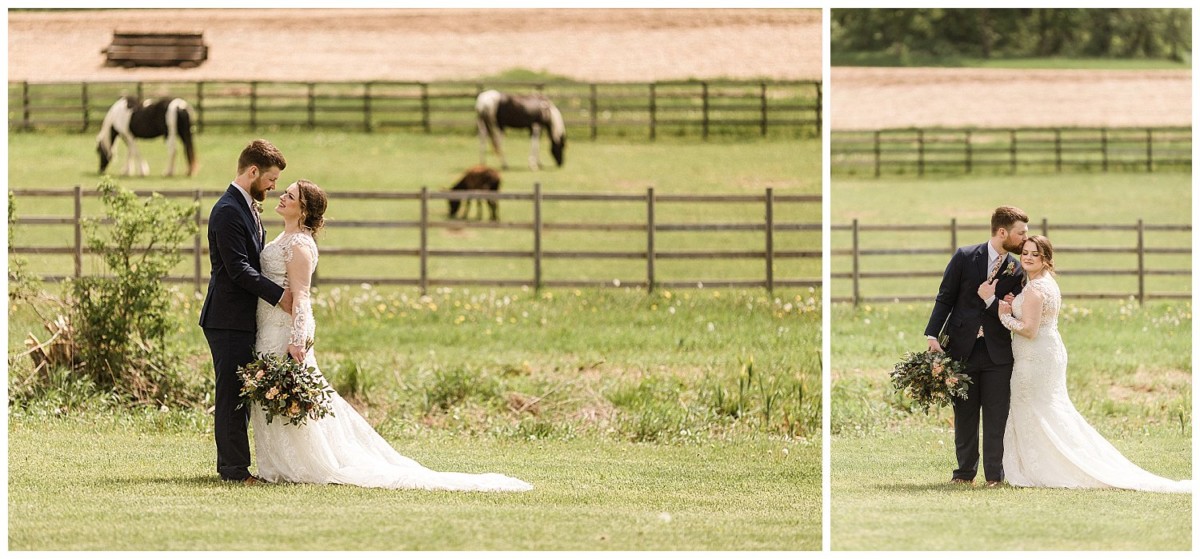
(1051, 301)
(276, 329)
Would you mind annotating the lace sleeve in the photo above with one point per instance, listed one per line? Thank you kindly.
(1009, 321)
(301, 259)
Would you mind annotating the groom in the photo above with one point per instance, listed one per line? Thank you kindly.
(235, 237)
(966, 311)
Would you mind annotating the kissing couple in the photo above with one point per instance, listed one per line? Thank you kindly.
(1032, 434)
(259, 301)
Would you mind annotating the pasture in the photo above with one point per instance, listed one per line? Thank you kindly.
(679, 419)
(401, 162)
(1129, 371)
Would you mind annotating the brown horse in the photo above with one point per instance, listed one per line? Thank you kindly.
(496, 111)
(479, 177)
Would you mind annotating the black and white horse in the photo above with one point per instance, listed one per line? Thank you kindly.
(496, 111)
(481, 178)
(131, 118)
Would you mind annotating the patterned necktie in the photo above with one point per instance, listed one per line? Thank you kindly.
(255, 207)
(991, 274)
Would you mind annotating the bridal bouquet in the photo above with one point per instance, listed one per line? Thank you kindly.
(930, 378)
(286, 388)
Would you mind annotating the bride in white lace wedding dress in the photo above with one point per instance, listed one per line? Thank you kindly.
(342, 448)
(1047, 443)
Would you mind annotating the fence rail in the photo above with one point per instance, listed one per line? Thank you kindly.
(766, 257)
(921, 151)
(659, 108)
(857, 255)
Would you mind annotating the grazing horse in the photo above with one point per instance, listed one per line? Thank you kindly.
(131, 118)
(496, 111)
(479, 177)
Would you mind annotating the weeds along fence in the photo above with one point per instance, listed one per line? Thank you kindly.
(870, 254)
(965, 151)
(675, 108)
(759, 264)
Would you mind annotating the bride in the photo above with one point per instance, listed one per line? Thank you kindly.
(342, 448)
(1047, 443)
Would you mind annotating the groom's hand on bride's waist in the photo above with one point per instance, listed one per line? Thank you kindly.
(285, 302)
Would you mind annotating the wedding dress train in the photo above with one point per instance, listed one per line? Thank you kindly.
(1047, 443)
(343, 448)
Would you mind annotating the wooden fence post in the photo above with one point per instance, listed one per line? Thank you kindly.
(770, 240)
(1045, 227)
(878, 155)
(1141, 259)
(653, 112)
(854, 255)
(592, 116)
(953, 234)
(367, 107)
(820, 101)
(197, 260)
(762, 95)
(1104, 149)
(424, 243)
(1058, 150)
(425, 119)
(650, 239)
(78, 231)
(537, 236)
(967, 144)
(921, 153)
(704, 100)
(1012, 151)
(1149, 150)
(199, 106)
(25, 109)
(84, 99)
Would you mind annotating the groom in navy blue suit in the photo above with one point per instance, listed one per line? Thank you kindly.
(235, 237)
(966, 312)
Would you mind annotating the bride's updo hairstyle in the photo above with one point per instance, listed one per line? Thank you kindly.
(312, 206)
(1045, 249)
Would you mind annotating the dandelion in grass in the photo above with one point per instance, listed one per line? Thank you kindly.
(930, 378)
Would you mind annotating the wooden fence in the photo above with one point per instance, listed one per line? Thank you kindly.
(919, 151)
(653, 109)
(766, 257)
(858, 255)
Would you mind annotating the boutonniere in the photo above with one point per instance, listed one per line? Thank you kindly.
(1010, 269)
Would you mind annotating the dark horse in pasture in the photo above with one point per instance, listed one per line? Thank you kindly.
(131, 118)
(479, 177)
(496, 111)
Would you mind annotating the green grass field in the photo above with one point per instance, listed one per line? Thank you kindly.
(1129, 371)
(679, 419)
(138, 486)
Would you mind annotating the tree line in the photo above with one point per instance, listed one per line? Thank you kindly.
(1164, 33)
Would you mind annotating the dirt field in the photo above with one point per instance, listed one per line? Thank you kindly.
(426, 44)
(873, 98)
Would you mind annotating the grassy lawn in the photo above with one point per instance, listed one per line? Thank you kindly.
(890, 492)
(138, 486)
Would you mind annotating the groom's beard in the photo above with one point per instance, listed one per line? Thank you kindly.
(1012, 245)
(258, 189)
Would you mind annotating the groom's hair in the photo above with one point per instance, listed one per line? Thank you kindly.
(1006, 216)
(261, 154)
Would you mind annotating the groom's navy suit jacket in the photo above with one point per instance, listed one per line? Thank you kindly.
(234, 242)
(960, 309)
